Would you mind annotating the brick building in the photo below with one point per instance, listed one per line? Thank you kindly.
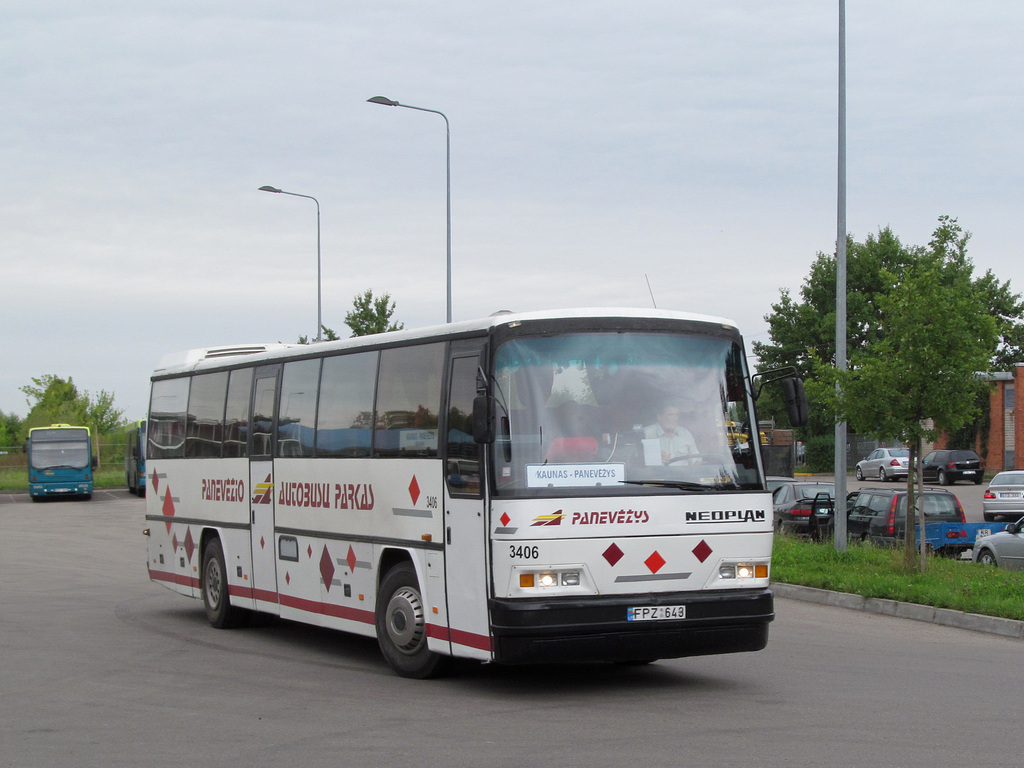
(1006, 423)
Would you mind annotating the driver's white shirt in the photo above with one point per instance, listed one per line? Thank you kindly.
(679, 444)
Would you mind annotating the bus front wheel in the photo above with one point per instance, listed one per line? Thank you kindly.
(402, 625)
(219, 611)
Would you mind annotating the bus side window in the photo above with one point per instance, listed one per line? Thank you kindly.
(462, 462)
(295, 422)
(168, 407)
(236, 416)
(344, 426)
(408, 401)
(205, 428)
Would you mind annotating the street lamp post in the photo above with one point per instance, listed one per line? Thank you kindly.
(448, 169)
(319, 283)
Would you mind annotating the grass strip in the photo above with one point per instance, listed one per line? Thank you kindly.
(879, 572)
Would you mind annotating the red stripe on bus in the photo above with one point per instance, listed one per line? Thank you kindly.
(459, 637)
(174, 578)
(326, 609)
(437, 631)
(472, 640)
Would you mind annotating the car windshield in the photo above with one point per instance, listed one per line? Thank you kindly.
(627, 413)
(964, 456)
(810, 491)
(935, 505)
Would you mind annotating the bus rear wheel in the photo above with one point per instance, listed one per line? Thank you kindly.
(402, 625)
(219, 611)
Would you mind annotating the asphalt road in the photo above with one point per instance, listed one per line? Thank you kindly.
(100, 667)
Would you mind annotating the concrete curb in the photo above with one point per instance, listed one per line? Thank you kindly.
(944, 616)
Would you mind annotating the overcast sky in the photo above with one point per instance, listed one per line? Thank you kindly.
(594, 145)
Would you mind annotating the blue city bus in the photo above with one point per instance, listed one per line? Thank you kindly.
(135, 458)
(60, 462)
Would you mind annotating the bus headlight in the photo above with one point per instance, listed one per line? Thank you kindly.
(743, 571)
(553, 579)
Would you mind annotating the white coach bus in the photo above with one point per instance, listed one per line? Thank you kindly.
(577, 485)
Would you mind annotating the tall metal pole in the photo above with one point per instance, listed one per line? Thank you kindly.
(448, 182)
(840, 465)
(319, 281)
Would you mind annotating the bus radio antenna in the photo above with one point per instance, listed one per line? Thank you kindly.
(653, 302)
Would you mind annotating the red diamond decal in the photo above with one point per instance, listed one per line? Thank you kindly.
(168, 508)
(263, 543)
(702, 551)
(174, 542)
(414, 490)
(505, 519)
(327, 568)
(613, 554)
(350, 558)
(156, 481)
(190, 544)
(655, 562)
(309, 551)
(287, 578)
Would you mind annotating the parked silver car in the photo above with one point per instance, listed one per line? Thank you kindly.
(885, 464)
(1004, 548)
(1004, 496)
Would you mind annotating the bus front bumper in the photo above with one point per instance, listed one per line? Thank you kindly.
(597, 629)
(59, 489)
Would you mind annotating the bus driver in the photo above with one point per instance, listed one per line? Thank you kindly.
(675, 441)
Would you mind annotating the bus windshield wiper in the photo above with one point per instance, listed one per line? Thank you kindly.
(681, 485)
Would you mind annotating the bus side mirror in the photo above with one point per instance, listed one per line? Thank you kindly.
(483, 419)
(796, 401)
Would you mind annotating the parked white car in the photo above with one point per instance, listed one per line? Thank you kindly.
(885, 464)
(1004, 548)
(1004, 496)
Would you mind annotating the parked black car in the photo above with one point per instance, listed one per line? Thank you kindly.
(792, 504)
(948, 466)
(879, 515)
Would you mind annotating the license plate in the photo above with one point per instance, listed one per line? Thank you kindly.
(656, 612)
(968, 471)
(1010, 495)
(983, 532)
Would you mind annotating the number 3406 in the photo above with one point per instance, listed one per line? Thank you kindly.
(523, 552)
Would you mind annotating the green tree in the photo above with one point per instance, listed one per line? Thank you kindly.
(53, 400)
(329, 335)
(372, 315)
(10, 428)
(918, 375)
(802, 329)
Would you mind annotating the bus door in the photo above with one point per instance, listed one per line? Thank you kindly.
(465, 516)
(261, 483)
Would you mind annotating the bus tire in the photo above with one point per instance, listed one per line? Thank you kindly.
(219, 611)
(401, 621)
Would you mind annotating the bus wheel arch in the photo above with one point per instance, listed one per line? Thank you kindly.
(401, 620)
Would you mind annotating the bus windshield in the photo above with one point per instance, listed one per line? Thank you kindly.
(629, 413)
(48, 453)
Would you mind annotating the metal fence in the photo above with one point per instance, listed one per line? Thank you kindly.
(110, 455)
